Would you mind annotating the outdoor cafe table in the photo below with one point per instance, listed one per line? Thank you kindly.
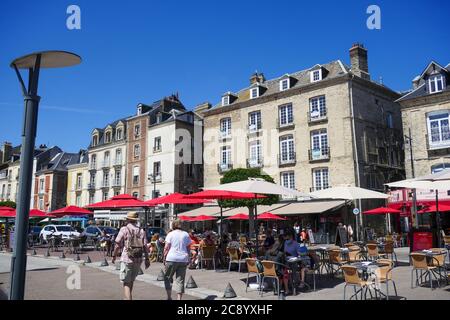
(367, 267)
(295, 263)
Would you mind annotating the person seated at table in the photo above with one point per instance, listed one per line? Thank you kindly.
(193, 248)
(276, 253)
(303, 236)
(293, 249)
(208, 241)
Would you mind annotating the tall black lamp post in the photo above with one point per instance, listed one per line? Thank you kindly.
(33, 62)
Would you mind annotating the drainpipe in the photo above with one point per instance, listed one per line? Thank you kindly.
(359, 224)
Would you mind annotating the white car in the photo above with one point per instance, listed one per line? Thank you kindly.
(66, 231)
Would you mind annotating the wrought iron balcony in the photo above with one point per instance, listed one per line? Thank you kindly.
(287, 159)
(255, 163)
(224, 167)
(322, 154)
(316, 116)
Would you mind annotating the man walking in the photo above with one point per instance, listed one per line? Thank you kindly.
(176, 259)
(133, 243)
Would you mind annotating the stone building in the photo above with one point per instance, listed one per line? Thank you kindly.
(78, 179)
(325, 126)
(425, 113)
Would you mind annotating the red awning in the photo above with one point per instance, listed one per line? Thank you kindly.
(203, 218)
(175, 198)
(184, 218)
(223, 195)
(239, 216)
(440, 208)
(269, 216)
(382, 210)
(36, 213)
(120, 201)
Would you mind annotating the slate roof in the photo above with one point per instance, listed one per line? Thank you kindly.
(59, 162)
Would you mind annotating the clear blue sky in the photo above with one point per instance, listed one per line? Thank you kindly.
(138, 51)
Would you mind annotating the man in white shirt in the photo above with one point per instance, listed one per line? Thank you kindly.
(176, 259)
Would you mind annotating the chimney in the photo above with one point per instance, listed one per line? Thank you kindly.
(358, 61)
(202, 108)
(257, 77)
(7, 151)
(415, 82)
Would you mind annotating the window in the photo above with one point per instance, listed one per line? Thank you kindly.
(254, 93)
(157, 144)
(119, 134)
(287, 149)
(316, 75)
(255, 153)
(135, 175)
(94, 160)
(92, 179)
(320, 179)
(390, 120)
(137, 131)
(225, 127)
(41, 203)
(318, 108)
(106, 159)
(288, 179)
(319, 144)
(286, 115)
(78, 200)
(158, 118)
(135, 194)
(118, 156)
(94, 140)
(91, 198)
(284, 84)
(41, 185)
(225, 100)
(117, 177)
(254, 121)
(108, 137)
(79, 181)
(436, 83)
(137, 151)
(438, 129)
(439, 167)
(106, 179)
(155, 194)
(225, 155)
(105, 196)
(157, 169)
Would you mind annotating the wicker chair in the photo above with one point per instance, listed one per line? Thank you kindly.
(233, 255)
(354, 254)
(384, 275)
(372, 251)
(208, 253)
(353, 279)
(389, 251)
(419, 262)
(253, 269)
(438, 261)
(271, 273)
(335, 259)
(315, 270)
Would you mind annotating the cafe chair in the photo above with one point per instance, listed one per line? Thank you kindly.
(335, 259)
(420, 264)
(315, 270)
(208, 253)
(372, 251)
(389, 251)
(252, 268)
(233, 255)
(438, 261)
(354, 254)
(383, 275)
(349, 244)
(353, 279)
(271, 273)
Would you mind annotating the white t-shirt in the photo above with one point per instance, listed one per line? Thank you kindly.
(178, 240)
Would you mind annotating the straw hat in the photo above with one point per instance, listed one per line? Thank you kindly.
(132, 215)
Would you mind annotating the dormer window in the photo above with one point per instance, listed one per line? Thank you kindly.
(316, 75)
(108, 137)
(284, 84)
(254, 92)
(436, 83)
(139, 110)
(158, 118)
(137, 131)
(225, 100)
(94, 140)
(119, 134)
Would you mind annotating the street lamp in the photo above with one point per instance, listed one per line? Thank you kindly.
(33, 62)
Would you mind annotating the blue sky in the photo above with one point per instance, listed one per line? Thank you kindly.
(139, 51)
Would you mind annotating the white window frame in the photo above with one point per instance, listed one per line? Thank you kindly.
(105, 196)
(286, 114)
(226, 100)
(137, 151)
(283, 82)
(119, 134)
(444, 137)
(225, 155)
(252, 90)
(287, 149)
(254, 121)
(225, 127)
(137, 130)
(135, 169)
(316, 72)
(117, 177)
(318, 108)
(108, 137)
(434, 80)
(255, 153)
(41, 185)
(288, 179)
(321, 178)
(319, 144)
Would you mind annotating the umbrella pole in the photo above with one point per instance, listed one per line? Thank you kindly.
(438, 220)
(255, 222)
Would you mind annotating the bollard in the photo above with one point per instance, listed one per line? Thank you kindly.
(47, 253)
(34, 252)
(190, 284)
(77, 258)
(63, 256)
(104, 263)
(88, 260)
(229, 292)
(161, 276)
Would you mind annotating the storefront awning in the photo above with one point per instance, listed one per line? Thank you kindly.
(309, 207)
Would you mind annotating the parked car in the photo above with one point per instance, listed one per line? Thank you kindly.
(95, 231)
(65, 231)
(152, 230)
(33, 234)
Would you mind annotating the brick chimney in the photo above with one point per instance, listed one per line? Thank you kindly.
(7, 151)
(202, 108)
(359, 62)
(257, 77)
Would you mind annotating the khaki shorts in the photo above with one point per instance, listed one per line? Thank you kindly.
(177, 269)
(129, 271)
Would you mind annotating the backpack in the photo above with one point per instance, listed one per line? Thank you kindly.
(134, 244)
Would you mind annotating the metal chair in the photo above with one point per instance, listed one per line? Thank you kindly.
(419, 262)
(252, 268)
(233, 255)
(208, 253)
(353, 279)
(335, 259)
(383, 274)
(372, 251)
(269, 272)
(389, 251)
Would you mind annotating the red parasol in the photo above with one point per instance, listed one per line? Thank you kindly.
(269, 216)
(36, 213)
(7, 212)
(120, 201)
(239, 216)
(185, 218)
(175, 198)
(382, 210)
(203, 218)
(223, 195)
(70, 211)
(432, 208)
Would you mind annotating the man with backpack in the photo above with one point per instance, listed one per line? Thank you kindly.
(133, 243)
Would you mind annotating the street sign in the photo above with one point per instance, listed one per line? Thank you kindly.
(356, 211)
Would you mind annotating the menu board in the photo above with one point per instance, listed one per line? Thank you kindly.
(341, 236)
(311, 236)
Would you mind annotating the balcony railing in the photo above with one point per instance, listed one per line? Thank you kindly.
(285, 126)
(287, 159)
(105, 184)
(116, 183)
(157, 149)
(226, 134)
(316, 116)
(255, 163)
(254, 128)
(117, 161)
(93, 166)
(106, 164)
(321, 154)
(91, 186)
(224, 167)
(155, 177)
